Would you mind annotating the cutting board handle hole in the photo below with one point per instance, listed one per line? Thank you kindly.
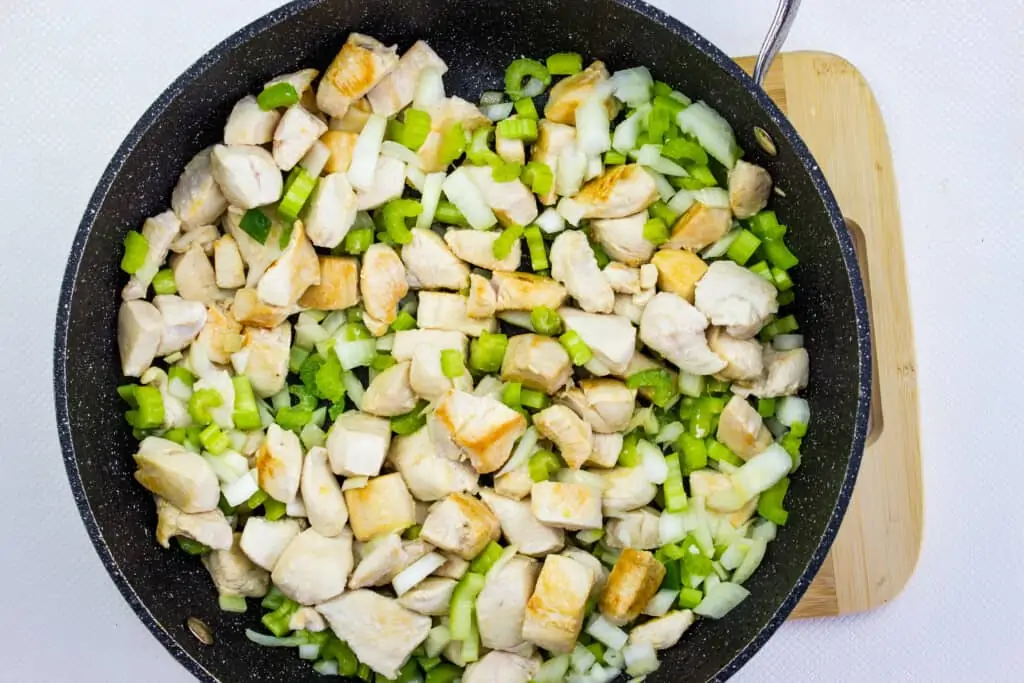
(876, 421)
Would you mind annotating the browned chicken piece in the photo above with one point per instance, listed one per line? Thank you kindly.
(249, 310)
(396, 90)
(340, 144)
(679, 270)
(461, 524)
(353, 120)
(382, 282)
(554, 613)
(634, 580)
(537, 361)
(295, 270)
(481, 300)
(606, 404)
(573, 436)
(699, 227)
(621, 191)
(552, 138)
(742, 429)
(525, 291)
(485, 428)
(569, 93)
(749, 188)
(383, 506)
(339, 285)
(361, 64)
(744, 356)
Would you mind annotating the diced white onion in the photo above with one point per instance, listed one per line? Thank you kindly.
(762, 471)
(240, 360)
(710, 582)
(793, 409)
(492, 97)
(596, 367)
(431, 196)
(553, 670)
(390, 148)
(764, 530)
(266, 417)
(588, 536)
(614, 658)
(603, 674)
(353, 389)
(550, 221)
(697, 520)
(533, 87)
(720, 599)
(653, 461)
(570, 170)
(712, 197)
(311, 316)
(272, 641)
(363, 168)
(595, 167)
(517, 318)
(788, 342)
(465, 195)
(633, 86)
(568, 475)
(665, 189)
(571, 210)
(241, 489)
(489, 385)
(524, 449)
(669, 432)
(734, 554)
(582, 659)
(416, 572)
(607, 633)
(173, 358)
(751, 561)
(690, 384)
(627, 132)
(179, 389)
(437, 638)
(712, 132)
(326, 667)
(661, 603)
(429, 88)
(237, 439)
(721, 246)
(680, 97)
(669, 167)
(312, 436)
(681, 201)
(309, 651)
(648, 155)
(415, 177)
(355, 354)
(641, 659)
(497, 112)
(315, 159)
(672, 527)
(308, 336)
(199, 361)
(228, 466)
(643, 417)
(354, 483)
(333, 322)
(592, 125)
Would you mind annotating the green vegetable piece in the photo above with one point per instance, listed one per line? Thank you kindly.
(453, 143)
(536, 400)
(191, 547)
(720, 452)
(277, 621)
(300, 185)
(656, 232)
(357, 241)
(163, 282)
(449, 214)
(695, 453)
(502, 246)
(518, 129)
(565, 63)
(578, 350)
(280, 94)
(665, 390)
(519, 71)
(487, 352)
(328, 379)
(543, 464)
(539, 177)
(675, 494)
(769, 505)
(689, 598)
(256, 225)
(506, 172)
(136, 248)
(394, 215)
(743, 247)
(403, 322)
(411, 422)
(274, 510)
(546, 321)
(460, 610)
(525, 108)
(482, 563)
(511, 394)
(766, 407)
(200, 403)
(452, 364)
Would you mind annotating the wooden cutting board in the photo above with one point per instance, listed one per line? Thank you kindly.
(832, 107)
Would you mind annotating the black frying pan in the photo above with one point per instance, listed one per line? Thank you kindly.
(478, 39)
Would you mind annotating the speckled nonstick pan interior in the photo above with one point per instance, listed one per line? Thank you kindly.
(478, 39)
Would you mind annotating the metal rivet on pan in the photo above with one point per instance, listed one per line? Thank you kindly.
(200, 630)
(765, 141)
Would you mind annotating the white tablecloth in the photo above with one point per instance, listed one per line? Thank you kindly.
(76, 74)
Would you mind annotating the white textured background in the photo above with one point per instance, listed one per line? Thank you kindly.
(76, 74)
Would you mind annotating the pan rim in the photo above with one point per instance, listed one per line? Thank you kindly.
(244, 34)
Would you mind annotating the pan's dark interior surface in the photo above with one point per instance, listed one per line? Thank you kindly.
(477, 39)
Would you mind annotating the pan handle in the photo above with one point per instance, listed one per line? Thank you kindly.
(785, 13)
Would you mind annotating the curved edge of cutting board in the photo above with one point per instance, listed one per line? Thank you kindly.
(875, 553)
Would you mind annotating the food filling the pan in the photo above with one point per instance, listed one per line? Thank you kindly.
(485, 391)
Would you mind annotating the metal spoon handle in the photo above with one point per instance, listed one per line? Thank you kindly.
(785, 13)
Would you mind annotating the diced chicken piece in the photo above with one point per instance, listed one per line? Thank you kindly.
(741, 428)
(511, 151)
(295, 270)
(485, 428)
(621, 191)
(210, 528)
(634, 580)
(179, 476)
(449, 311)
(431, 596)
(381, 632)
(194, 276)
(247, 175)
(406, 342)
(675, 329)
(321, 494)
(569, 93)
(390, 393)
(307, 619)
(637, 529)
(606, 404)
(567, 430)
(279, 464)
(429, 475)
(358, 443)
(625, 489)
(785, 373)
(623, 238)
(606, 450)
(664, 632)
(353, 120)
(501, 667)
(622, 278)
(537, 361)
(313, 567)
(743, 356)
(380, 563)
(341, 145)
(234, 574)
(381, 507)
(597, 570)
(477, 248)
(706, 482)
(160, 232)
(566, 506)
(139, 331)
(552, 138)
(359, 66)
(248, 124)
(443, 115)
(294, 135)
(462, 525)
(749, 188)
(453, 568)
(339, 285)
(331, 211)
(521, 527)
(396, 90)
(501, 605)
(204, 235)
(627, 307)
(481, 302)
(512, 202)
(388, 184)
(574, 265)
(736, 298)
(699, 227)
(196, 198)
(263, 541)
(612, 338)
(431, 264)
(514, 484)
(266, 355)
(221, 335)
(679, 271)
(554, 613)
(525, 291)
(257, 257)
(382, 282)
(227, 263)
